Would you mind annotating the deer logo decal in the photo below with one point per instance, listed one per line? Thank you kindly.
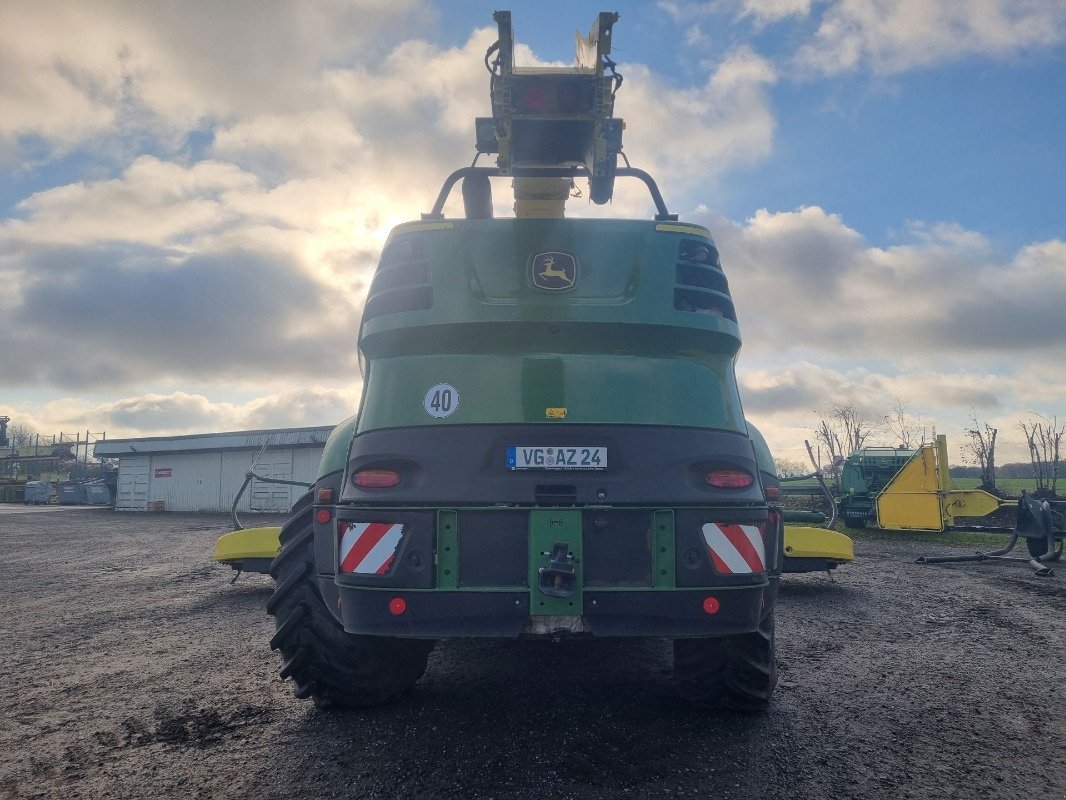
(554, 272)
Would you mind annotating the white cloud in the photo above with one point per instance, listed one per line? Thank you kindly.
(689, 137)
(940, 320)
(889, 36)
(178, 412)
(153, 202)
(766, 11)
(70, 70)
(804, 281)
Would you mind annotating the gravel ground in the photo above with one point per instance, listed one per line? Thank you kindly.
(134, 669)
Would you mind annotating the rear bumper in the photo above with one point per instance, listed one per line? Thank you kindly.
(506, 614)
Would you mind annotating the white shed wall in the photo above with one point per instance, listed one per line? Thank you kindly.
(131, 492)
(208, 481)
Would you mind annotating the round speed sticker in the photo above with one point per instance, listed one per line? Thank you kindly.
(441, 400)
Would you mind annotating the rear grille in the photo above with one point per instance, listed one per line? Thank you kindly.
(709, 292)
(402, 250)
(402, 280)
(698, 252)
(415, 298)
(402, 275)
(702, 278)
(699, 302)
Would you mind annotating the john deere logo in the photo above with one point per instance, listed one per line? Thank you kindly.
(554, 272)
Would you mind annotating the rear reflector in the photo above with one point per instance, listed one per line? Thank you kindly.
(323, 516)
(368, 548)
(735, 549)
(376, 478)
(711, 605)
(730, 479)
(397, 606)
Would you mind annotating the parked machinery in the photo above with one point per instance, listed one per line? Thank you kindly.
(550, 441)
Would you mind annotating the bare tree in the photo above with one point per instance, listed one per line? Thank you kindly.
(1044, 437)
(20, 434)
(982, 446)
(790, 468)
(842, 430)
(905, 427)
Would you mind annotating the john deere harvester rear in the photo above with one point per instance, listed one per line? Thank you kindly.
(550, 442)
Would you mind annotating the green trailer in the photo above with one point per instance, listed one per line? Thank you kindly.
(550, 441)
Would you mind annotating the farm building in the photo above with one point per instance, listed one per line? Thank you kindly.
(204, 472)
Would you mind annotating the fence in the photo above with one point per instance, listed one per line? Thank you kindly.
(1014, 471)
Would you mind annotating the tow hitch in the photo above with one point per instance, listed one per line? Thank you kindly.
(559, 578)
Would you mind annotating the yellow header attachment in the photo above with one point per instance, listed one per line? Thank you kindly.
(921, 496)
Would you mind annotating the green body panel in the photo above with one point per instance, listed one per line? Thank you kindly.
(546, 527)
(513, 350)
(763, 457)
(335, 453)
(592, 388)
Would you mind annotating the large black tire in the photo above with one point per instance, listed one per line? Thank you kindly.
(856, 519)
(337, 670)
(735, 673)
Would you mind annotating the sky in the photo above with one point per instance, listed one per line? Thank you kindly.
(193, 196)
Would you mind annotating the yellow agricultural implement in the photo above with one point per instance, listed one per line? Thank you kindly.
(251, 549)
(921, 496)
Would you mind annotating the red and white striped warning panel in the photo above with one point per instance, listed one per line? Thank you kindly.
(735, 549)
(368, 548)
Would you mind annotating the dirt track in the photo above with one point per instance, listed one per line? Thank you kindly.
(133, 669)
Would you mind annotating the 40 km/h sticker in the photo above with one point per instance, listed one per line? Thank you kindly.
(441, 400)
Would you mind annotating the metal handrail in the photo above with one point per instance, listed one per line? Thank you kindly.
(663, 214)
(818, 475)
(251, 475)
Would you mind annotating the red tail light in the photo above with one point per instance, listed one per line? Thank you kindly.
(376, 478)
(323, 516)
(730, 479)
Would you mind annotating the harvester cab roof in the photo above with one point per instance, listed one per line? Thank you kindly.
(549, 126)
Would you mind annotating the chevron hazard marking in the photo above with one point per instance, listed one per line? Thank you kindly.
(735, 549)
(367, 548)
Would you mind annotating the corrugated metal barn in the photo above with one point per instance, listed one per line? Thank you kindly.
(204, 472)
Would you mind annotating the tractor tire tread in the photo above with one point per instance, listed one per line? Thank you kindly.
(326, 664)
(734, 673)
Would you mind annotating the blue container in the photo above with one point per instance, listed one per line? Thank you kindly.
(97, 494)
(37, 492)
(72, 494)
